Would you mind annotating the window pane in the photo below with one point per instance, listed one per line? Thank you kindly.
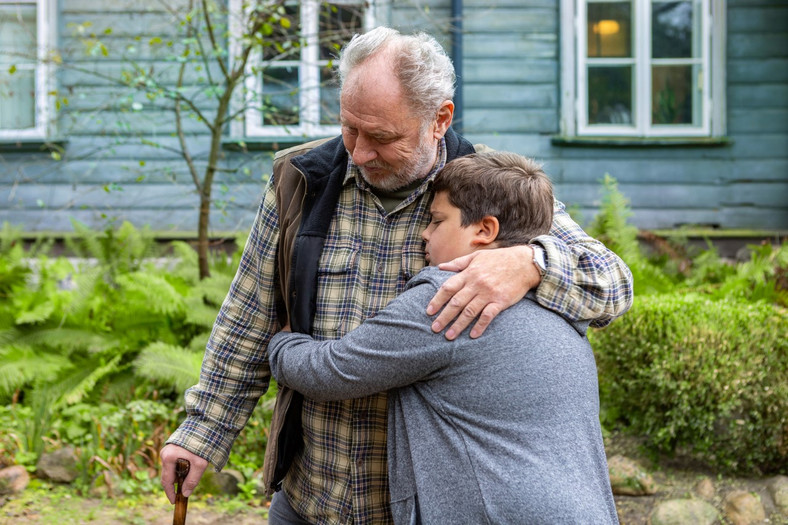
(671, 29)
(610, 29)
(17, 99)
(329, 97)
(672, 95)
(338, 24)
(280, 96)
(610, 95)
(18, 43)
(284, 43)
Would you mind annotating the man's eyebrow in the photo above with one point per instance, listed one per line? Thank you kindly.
(386, 135)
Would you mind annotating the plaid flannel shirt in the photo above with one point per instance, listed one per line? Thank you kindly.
(368, 257)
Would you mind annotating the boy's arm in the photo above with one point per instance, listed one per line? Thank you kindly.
(584, 281)
(393, 349)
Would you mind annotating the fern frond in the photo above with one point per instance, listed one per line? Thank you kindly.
(213, 289)
(21, 365)
(199, 313)
(186, 266)
(69, 339)
(9, 335)
(155, 293)
(38, 314)
(78, 383)
(169, 365)
(199, 342)
(610, 225)
(85, 243)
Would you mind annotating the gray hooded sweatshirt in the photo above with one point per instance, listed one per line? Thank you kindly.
(500, 429)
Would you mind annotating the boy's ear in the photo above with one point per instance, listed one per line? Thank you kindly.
(486, 231)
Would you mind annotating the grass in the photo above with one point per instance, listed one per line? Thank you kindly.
(45, 503)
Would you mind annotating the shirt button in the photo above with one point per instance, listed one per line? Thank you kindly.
(380, 267)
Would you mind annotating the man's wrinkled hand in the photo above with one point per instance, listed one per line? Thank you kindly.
(489, 282)
(169, 455)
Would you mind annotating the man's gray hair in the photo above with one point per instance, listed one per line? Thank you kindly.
(424, 70)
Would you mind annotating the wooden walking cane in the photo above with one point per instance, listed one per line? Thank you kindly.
(182, 467)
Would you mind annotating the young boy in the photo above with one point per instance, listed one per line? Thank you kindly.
(499, 429)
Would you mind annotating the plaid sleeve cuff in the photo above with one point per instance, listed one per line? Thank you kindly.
(204, 439)
(584, 281)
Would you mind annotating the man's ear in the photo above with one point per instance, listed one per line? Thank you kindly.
(486, 231)
(443, 119)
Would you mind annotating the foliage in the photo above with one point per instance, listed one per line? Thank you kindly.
(209, 88)
(610, 225)
(709, 376)
(97, 353)
(700, 363)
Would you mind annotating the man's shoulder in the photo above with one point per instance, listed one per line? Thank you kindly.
(301, 148)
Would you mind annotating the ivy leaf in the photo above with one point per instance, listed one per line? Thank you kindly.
(12, 69)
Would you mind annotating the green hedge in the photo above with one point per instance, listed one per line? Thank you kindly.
(700, 376)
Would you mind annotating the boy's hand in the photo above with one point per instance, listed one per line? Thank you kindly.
(489, 282)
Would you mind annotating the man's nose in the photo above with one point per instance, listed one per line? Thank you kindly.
(363, 151)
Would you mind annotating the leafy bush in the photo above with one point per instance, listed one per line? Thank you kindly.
(700, 363)
(610, 225)
(706, 376)
(97, 354)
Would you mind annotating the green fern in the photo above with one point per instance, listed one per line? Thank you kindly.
(152, 292)
(68, 340)
(22, 365)
(169, 365)
(199, 342)
(84, 378)
(205, 299)
(611, 226)
(115, 250)
(13, 270)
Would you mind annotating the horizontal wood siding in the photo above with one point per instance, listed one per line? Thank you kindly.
(120, 164)
(511, 94)
(121, 161)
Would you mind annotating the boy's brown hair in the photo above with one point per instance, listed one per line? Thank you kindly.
(507, 186)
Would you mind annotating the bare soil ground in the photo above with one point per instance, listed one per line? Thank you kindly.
(675, 478)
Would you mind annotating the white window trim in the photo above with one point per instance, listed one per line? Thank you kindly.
(573, 34)
(309, 73)
(45, 27)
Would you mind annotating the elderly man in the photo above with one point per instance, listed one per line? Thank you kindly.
(338, 236)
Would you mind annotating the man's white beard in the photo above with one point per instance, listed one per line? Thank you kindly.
(413, 170)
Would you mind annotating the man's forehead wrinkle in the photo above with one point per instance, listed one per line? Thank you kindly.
(372, 123)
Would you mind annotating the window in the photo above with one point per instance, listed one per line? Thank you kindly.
(643, 68)
(291, 88)
(24, 73)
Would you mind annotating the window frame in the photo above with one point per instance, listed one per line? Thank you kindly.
(574, 110)
(309, 76)
(46, 38)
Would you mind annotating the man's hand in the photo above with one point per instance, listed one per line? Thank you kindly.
(489, 282)
(169, 454)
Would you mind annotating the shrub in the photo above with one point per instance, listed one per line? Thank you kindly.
(703, 376)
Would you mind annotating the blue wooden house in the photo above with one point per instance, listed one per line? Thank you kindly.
(684, 102)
